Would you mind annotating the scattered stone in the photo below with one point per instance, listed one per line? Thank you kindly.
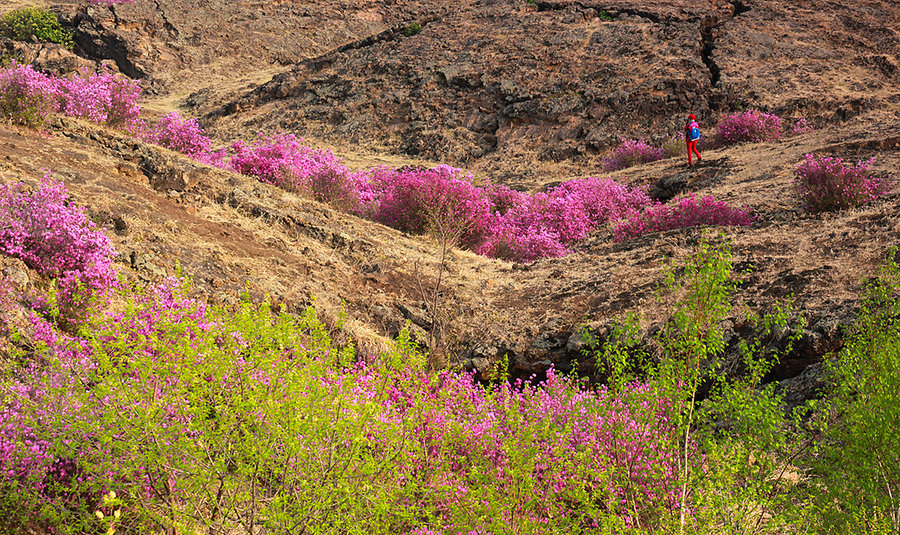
(145, 263)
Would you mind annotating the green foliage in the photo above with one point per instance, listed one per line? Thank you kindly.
(746, 439)
(734, 445)
(621, 358)
(692, 335)
(857, 488)
(692, 339)
(500, 371)
(412, 29)
(605, 15)
(32, 22)
(258, 391)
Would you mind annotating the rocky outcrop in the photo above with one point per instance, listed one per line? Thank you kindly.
(46, 57)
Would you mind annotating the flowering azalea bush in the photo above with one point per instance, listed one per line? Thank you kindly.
(57, 239)
(546, 224)
(517, 241)
(631, 152)
(180, 134)
(686, 212)
(829, 184)
(27, 96)
(184, 410)
(801, 126)
(409, 199)
(752, 125)
(103, 98)
(282, 160)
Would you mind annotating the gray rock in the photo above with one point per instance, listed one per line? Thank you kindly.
(144, 263)
(810, 384)
(418, 316)
(668, 187)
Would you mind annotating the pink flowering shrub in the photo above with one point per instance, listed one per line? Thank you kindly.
(408, 199)
(800, 126)
(282, 160)
(546, 224)
(497, 221)
(171, 404)
(687, 212)
(27, 97)
(830, 184)
(631, 152)
(747, 126)
(180, 134)
(56, 239)
(102, 98)
(503, 198)
(507, 241)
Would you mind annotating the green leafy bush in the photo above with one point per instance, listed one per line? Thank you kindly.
(412, 29)
(857, 466)
(32, 22)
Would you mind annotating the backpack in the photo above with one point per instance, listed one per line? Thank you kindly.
(694, 133)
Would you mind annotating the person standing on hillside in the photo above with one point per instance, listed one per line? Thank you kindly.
(691, 137)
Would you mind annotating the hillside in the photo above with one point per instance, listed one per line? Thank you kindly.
(527, 94)
(386, 90)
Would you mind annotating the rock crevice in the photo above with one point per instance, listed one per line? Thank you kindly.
(170, 28)
(710, 30)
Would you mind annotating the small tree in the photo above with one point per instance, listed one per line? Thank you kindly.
(448, 219)
(857, 464)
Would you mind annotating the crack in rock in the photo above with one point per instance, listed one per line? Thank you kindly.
(116, 23)
(173, 31)
(739, 7)
(709, 29)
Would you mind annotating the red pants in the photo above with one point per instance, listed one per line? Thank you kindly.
(692, 147)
